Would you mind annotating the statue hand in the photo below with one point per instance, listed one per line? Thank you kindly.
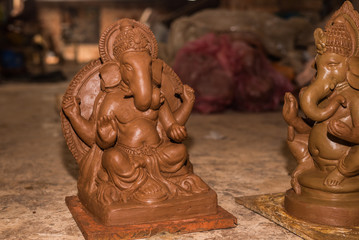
(107, 127)
(339, 129)
(290, 108)
(71, 106)
(177, 132)
(188, 94)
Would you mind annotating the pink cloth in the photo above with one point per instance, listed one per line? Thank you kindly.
(229, 73)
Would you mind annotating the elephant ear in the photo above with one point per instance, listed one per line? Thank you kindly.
(353, 72)
(110, 74)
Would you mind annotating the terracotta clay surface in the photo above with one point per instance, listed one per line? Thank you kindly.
(326, 145)
(123, 118)
(271, 206)
(93, 230)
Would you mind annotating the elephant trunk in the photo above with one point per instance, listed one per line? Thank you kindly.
(141, 88)
(312, 96)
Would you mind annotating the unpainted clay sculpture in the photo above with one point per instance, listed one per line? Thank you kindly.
(326, 181)
(123, 119)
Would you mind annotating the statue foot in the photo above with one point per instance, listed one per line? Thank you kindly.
(150, 192)
(334, 178)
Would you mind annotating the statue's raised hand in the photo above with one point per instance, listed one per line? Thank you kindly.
(107, 129)
(71, 106)
(177, 132)
(188, 94)
(290, 108)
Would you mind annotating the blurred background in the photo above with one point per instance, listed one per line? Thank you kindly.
(239, 55)
(236, 54)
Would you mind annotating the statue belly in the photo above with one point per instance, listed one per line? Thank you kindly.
(322, 145)
(139, 132)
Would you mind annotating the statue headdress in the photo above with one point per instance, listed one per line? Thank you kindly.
(341, 33)
(130, 39)
(123, 35)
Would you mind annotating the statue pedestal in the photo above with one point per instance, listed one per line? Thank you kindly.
(330, 210)
(271, 207)
(136, 213)
(318, 203)
(92, 229)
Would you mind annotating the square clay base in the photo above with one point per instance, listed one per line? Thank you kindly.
(271, 206)
(91, 229)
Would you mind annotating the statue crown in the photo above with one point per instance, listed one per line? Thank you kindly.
(130, 39)
(338, 39)
(341, 34)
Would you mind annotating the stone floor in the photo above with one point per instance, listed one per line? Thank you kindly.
(237, 154)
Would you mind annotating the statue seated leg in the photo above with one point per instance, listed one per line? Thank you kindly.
(131, 179)
(350, 164)
(144, 178)
(173, 158)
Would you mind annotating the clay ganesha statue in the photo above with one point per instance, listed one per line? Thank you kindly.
(123, 119)
(326, 181)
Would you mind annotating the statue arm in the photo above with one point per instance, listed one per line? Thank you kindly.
(166, 116)
(183, 112)
(173, 129)
(84, 128)
(299, 125)
(290, 114)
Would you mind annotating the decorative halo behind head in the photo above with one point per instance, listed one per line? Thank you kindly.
(115, 39)
(341, 35)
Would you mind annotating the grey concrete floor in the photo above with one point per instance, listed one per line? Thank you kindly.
(237, 154)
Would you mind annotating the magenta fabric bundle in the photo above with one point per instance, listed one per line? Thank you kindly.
(230, 73)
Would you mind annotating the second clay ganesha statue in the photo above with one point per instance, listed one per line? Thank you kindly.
(326, 180)
(127, 135)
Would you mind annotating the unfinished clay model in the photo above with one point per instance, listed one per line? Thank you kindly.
(123, 120)
(326, 181)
